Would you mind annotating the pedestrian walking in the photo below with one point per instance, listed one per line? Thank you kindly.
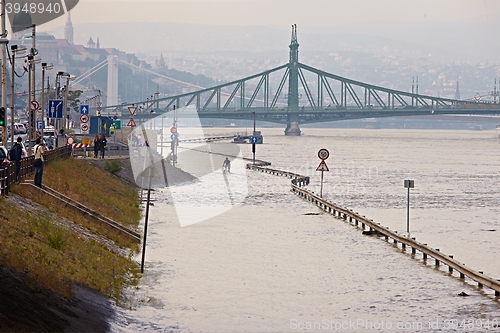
(226, 165)
(51, 142)
(96, 146)
(38, 162)
(103, 144)
(15, 155)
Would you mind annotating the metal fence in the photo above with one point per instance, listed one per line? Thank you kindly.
(8, 173)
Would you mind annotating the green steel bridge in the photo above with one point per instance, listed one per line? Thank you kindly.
(303, 95)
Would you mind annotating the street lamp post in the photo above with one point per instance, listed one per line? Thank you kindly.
(253, 138)
(15, 50)
(161, 136)
(45, 67)
(31, 61)
(62, 123)
(65, 104)
(4, 42)
(408, 184)
(33, 53)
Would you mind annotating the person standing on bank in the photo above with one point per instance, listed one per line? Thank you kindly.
(226, 165)
(38, 162)
(15, 155)
(103, 144)
(96, 146)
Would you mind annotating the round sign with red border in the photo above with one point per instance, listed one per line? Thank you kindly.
(35, 106)
(84, 127)
(173, 130)
(84, 118)
(70, 140)
(323, 154)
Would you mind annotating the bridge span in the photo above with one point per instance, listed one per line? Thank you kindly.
(295, 93)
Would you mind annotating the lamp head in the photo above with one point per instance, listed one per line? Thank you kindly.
(47, 66)
(16, 49)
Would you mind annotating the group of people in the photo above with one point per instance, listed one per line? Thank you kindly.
(50, 141)
(100, 145)
(135, 140)
(15, 155)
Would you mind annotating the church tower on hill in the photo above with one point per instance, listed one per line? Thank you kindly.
(68, 30)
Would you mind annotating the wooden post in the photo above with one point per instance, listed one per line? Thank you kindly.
(437, 261)
(480, 285)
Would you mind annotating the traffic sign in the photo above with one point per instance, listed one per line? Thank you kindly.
(84, 109)
(322, 166)
(131, 122)
(39, 125)
(323, 154)
(174, 137)
(84, 118)
(84, 128)
(55, 108)
(132, 110)
(173, 130)
(70, 140)
(34, 105)
(255, 139)
(409, 184)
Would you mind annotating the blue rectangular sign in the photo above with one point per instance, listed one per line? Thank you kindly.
(55, 108)
(84, 109)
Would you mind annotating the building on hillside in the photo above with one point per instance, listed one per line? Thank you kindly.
(120, 54)
(45, 44)
(66, 49)
(160, 63)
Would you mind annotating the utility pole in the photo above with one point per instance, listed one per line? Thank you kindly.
(408, 183)
(32, 84)
(4, 76)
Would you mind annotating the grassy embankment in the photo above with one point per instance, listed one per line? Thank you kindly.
(35, 239)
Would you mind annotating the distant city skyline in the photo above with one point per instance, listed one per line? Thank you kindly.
(278, 13)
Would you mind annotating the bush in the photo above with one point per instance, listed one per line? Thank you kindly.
(112, 167)
(56, 237)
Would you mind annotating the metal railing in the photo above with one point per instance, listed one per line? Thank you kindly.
(8, 172)
(356, 219)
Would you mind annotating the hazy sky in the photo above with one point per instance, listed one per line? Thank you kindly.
(279, 13)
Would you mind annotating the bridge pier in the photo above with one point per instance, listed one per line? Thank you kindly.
(292, 129)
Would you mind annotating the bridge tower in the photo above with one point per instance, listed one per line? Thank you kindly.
(292, 128)
(112, 81)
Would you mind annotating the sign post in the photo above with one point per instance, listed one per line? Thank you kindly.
(254, 141)
(323, 154)
(132, 109)
(408, 184)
